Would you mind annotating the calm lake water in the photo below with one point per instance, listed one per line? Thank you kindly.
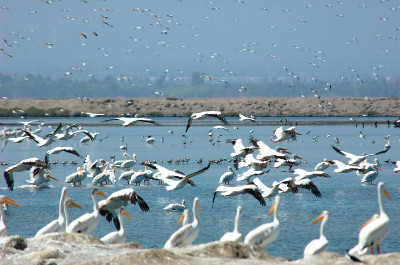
(349, 202)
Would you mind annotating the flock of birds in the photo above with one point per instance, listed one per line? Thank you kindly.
(249, 163)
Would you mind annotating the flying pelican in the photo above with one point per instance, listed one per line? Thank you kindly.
(375, 230)
(3, 226)
(118, 237)
(58, 150)
(250, 162)
(38, 177)
(279, 162)
(44, 141)
(118, 199)
(17, 140)
(59, 224)
(175, 207)
(239, 148)
(133, 121)
(202, 115)
(21, 166)
(267, 152)
(397, 168)
(284, 135)
(234, 236)
(186, 234)
(251, 172)
(89, 221)
(343, 168)
(290, 185)
(92, 115)
(320, 245)
(245, 118)
(249, 188)
(355, 159)
(323, 165)
(66, 135)
(303, 174)
(227, 176)
(267, 192)
(267, 233)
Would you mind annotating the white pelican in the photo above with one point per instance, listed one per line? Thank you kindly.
(150, 140)
(227, 176)
(267, 192)
(103, 176)
(128, 163)
(139, 176)
(92, 115)
(290, 185)
(89, 221)
(76, 177)
(38, 176)
(267, 233)
(118, 199)
(89, 136)
(186, 234)
(67, 204)
(21, 166)
(184, 218)
(14, 140)
(175, 207)
(279, 162)
(371, 171)
(374, 231)
(303, 174)
(124, 147)
(245, 118)
(234, 236)
(129, 121)
(202, 115)
(250, 161)
(3, 226)
(285, 135)
(323, 165)
(239, 148)
(118, 237)
(41, 141)
(59, 224)
(251, 172)
(397, 168)
(249, 188)
(126, 175)
(355, 159)
(218, 127)
(66, 135)
(320, 245)
(343, 168)
(267, 152)
(59, 149)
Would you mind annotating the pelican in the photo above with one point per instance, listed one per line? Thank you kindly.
(59, 224)
(127, 175)
(202, 115)
(66, 135)
(3, 226)
(128, 163)
(184, 218)
(186, 234)
(103, 176)
(234, 236)
(279, 162)
(38, 177)
(251, 162)
(239, 148)
(139, 176)
(42, 141)
(397, 168)
(251, 172)
(21, 166)
(267, 233)
(355, 159)
(343, 168)
(92, 115)
(303, 174)
(175, 207)
(89, 221)
(118, 237)
(320, 245)
(227, 176)
(285, 135)
(290, 185)
(249, 188)
(59, 149)
(245, 118)
(118, 199)
(323, 165)
(150, 140)
(374, 231)
(133, 121)
(17, 140)
(76, 177)
(67, 204)
(124, 147)
(371, 171)
(267, 192)
(267, 152)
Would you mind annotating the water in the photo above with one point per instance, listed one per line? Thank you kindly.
(349, 202)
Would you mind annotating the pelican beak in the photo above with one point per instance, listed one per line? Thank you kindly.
(198, 206)
(115, 170)
(82, 167)
(80, 172)
(48, 170)
(319, 218)
(127, 215)
(386, 194)
(286, 152)
(298, 157)
(101, 194)
(66, 196)
(73, 204)
(181, 219)
(271, 210)
(297, 133)
(50, 176)
(374, 217)
(101, 169)
(128, 155)
(9, 201)
(377, 167)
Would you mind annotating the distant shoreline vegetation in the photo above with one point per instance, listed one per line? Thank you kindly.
(197, 86)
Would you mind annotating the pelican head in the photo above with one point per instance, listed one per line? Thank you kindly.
(320, 217)
(4, 199)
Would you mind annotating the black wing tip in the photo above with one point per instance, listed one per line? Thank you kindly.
(9, 180)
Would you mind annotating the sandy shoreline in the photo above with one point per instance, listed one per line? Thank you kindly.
(173, 107)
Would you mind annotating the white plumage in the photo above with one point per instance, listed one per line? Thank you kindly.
(319, 245)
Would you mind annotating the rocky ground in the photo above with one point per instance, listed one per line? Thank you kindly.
(73, 248)
(303, 107)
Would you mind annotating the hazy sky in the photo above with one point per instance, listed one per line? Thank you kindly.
(321, 39)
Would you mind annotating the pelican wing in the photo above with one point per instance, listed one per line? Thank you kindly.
(309, 185)
(60, 149)
(256, 194)
(189, 122)
(200, 171)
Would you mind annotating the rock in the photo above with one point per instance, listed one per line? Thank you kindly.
(16, 242)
